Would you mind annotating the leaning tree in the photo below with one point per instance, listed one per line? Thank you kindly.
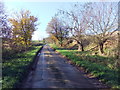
(102, 20)
(76, 24)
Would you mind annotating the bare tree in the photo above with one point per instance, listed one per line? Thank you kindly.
(119, 32)
(77, 24)
(102, 22)
(57, 30)
(5, 31)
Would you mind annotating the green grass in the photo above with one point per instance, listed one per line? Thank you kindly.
(15, 67)
(99, 66)
(54, 46)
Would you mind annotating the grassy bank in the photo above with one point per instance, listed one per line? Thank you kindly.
(16, 67)
(99, 66)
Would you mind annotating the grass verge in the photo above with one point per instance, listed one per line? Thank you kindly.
(98, 66)
(15, 69)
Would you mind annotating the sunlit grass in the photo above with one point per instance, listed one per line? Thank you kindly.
(15, 68)
(99, 66)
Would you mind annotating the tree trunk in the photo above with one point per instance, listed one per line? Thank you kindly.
(61, 41)
(80, 47)
(119, 45)
(60, 44)
(101, 48)
(26, 45)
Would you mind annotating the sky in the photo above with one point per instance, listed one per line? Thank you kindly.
(44, 10)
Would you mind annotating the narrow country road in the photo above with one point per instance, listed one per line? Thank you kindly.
(53, 71)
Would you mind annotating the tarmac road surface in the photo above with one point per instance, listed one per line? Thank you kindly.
(53, 71)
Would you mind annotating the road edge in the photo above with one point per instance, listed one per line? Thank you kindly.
(86, 74)
(31, 68)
